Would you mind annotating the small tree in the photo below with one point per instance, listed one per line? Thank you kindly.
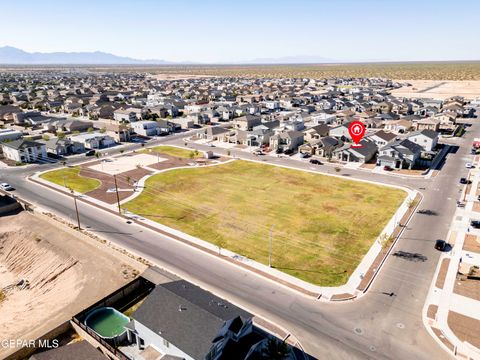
(103, 130)
(412, 203)
(228, 152)
(61, 135)
(191, 154)
(337, 169)
(45, 137)
(275, 350)
(97, 154)
(90, 130)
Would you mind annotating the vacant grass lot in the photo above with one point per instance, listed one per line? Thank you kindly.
(323, 225)
(175, 151)
(70, 178)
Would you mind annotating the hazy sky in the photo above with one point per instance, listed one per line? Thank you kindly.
(230, 31)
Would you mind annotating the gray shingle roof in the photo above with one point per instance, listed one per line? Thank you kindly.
(186, 315)
(77, 351)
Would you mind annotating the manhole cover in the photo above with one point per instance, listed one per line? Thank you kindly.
(373, 348)
(400, 326)
(358, 331)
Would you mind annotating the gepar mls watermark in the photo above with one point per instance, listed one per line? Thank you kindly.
(29, 343)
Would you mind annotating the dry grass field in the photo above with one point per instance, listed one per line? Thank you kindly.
(323, 226)
(403, 71)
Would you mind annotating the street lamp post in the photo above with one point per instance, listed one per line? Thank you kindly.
(76, 210)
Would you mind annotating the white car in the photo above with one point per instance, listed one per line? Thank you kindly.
(469, 166)
(6, 187)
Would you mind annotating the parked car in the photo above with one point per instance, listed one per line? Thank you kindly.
(90, 153)
(441, 245)
(257, 152)
(315, 162)
(305, 155)
(210, 144)
(288, 152)
(465, 181)
(6, 187)
(460, 204)
(469, 166)
(387, 168)
(475, 224)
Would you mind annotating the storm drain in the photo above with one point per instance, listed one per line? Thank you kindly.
(358, 331)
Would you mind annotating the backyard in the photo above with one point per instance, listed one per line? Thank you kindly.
(71, 178)
(322, 225)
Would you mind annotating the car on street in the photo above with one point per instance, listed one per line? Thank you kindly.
(475, 224)
(90, 153)
(315, 162)
(464, 181)
(6, 187)
(441, 245)
(210, 145)
(387, 168)
(469, 166)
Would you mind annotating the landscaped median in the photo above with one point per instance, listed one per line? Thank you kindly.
(322, 226)
(70, 178)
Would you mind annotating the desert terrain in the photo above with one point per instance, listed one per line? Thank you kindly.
(439, 89)
(48, 273)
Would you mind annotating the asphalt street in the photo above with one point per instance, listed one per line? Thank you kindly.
(376, 326)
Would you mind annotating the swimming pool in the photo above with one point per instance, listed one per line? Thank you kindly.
(107, 322)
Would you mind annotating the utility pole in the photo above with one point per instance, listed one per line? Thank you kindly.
(116, 191)
(270, 248)
(76, 210)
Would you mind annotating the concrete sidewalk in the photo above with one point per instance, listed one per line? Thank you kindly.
(451, 318)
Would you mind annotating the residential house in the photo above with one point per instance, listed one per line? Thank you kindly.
(94, 140)
(432, 124)
(316, 132)
(192, 324)
(183, 122)
(24, 151)
(361, 154)
(399, 154)
(119, 132)
(427, 139)
(127, 115)
(397, 126)
(150, 128)
(10, 134)
(286, 141)
(246, 122)
(214, 133)
(63, 146)
(382, 138)
(340, 132)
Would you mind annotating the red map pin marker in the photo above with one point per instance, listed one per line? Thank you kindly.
(356, 129)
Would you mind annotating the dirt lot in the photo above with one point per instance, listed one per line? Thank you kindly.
(439, 89)
(66, 272)
(464, 327)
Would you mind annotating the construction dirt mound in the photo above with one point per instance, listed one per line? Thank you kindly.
(35, 277)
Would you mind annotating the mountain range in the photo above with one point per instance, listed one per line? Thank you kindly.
(14, 56)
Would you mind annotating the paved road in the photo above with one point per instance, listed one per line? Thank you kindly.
(376, 326)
